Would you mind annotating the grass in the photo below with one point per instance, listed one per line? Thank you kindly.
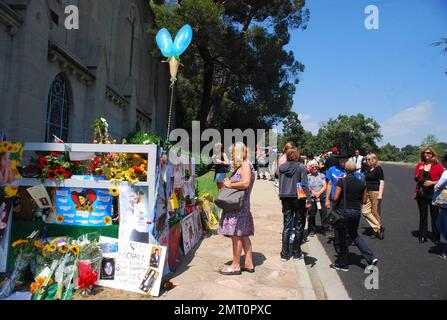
(206, 184)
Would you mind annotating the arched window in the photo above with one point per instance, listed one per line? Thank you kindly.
(57, 110)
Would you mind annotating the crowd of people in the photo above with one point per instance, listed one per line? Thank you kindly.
(336, 183)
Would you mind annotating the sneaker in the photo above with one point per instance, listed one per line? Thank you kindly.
(339, 267)
(443, 255)
(298, 257)
(284, 258)
(374, 262)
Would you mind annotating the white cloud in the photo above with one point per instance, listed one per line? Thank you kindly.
(407, 121)
(308, 123)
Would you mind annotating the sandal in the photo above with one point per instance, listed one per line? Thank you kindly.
(248, 270)
(230, 272)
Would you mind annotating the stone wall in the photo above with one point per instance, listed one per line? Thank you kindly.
(106, 64)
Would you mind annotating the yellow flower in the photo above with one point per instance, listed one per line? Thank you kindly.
(75, 249)
(19, 243)
(60, 218)
(11, 191)
(107, 220)
(52, 248)
(38, 244)
(3, 145)
(114, 191)
(45, 250)
(15, 148)
(63, 249)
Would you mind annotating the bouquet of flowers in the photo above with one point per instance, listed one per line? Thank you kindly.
(24, 252)
(120, 167)
(88, 264)
(60, 255)
(56, 166)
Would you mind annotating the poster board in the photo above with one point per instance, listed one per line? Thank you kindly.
(11, 155)
(135, 217)
(84, 207)
(132, 266)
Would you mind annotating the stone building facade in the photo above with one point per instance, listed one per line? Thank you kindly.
(57, 81)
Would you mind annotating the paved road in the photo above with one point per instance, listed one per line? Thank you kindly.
(407, 269)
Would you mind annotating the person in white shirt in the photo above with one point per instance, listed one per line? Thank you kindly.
(358, 159)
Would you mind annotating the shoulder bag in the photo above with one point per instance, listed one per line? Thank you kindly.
(230, 199)
(335, 214)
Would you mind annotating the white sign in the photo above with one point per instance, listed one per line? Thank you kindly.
(40, 196)
(132, 266)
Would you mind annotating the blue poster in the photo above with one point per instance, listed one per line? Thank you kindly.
(84, 207)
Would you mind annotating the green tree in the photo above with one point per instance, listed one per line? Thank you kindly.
(293, 131)
(410, 153)
(389, 152)
(237, 63)
(349, 132)
(442, 43)
(431, 141)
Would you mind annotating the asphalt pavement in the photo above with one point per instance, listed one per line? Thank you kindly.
(407, 269)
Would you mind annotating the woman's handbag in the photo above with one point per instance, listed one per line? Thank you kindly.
(335, 215)
(230, 199)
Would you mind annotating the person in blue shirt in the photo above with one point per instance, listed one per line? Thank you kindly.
(335, 173)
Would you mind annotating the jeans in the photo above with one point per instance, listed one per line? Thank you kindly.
(294, 212)
(442, 222)
(424, 204)
(349, 226)
(323, 214)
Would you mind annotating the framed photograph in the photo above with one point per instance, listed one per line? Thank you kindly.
(108, 269)
(155, 257)
(149, 280)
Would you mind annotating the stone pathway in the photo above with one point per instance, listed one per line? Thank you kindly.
(198, 277)
(200, 280)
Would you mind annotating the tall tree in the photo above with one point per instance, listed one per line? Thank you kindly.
(350, 132)
(237, 63)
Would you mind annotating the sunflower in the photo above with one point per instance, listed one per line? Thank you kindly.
(9, 148)
(52, 248)
(4, 145)
(63, 249)
(19, 243)
(75, 249)
(15, 148)
(60, 219)
(38, 244)
(45, 250)
(108, 220)
(114, 191)
(11, 191)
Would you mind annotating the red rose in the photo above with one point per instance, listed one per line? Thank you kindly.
(43, 162)
(137, 169)
(55, 154)
(52, 174)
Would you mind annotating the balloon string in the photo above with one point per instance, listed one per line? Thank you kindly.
(170, 110)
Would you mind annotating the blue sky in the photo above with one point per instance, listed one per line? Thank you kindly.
(393, 74)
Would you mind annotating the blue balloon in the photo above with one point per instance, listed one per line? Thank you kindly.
(164, 42)
(182, 40)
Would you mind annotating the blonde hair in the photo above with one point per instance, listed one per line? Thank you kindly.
(374, 157)
(435, 154)
(350, 166)
(239, 154)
